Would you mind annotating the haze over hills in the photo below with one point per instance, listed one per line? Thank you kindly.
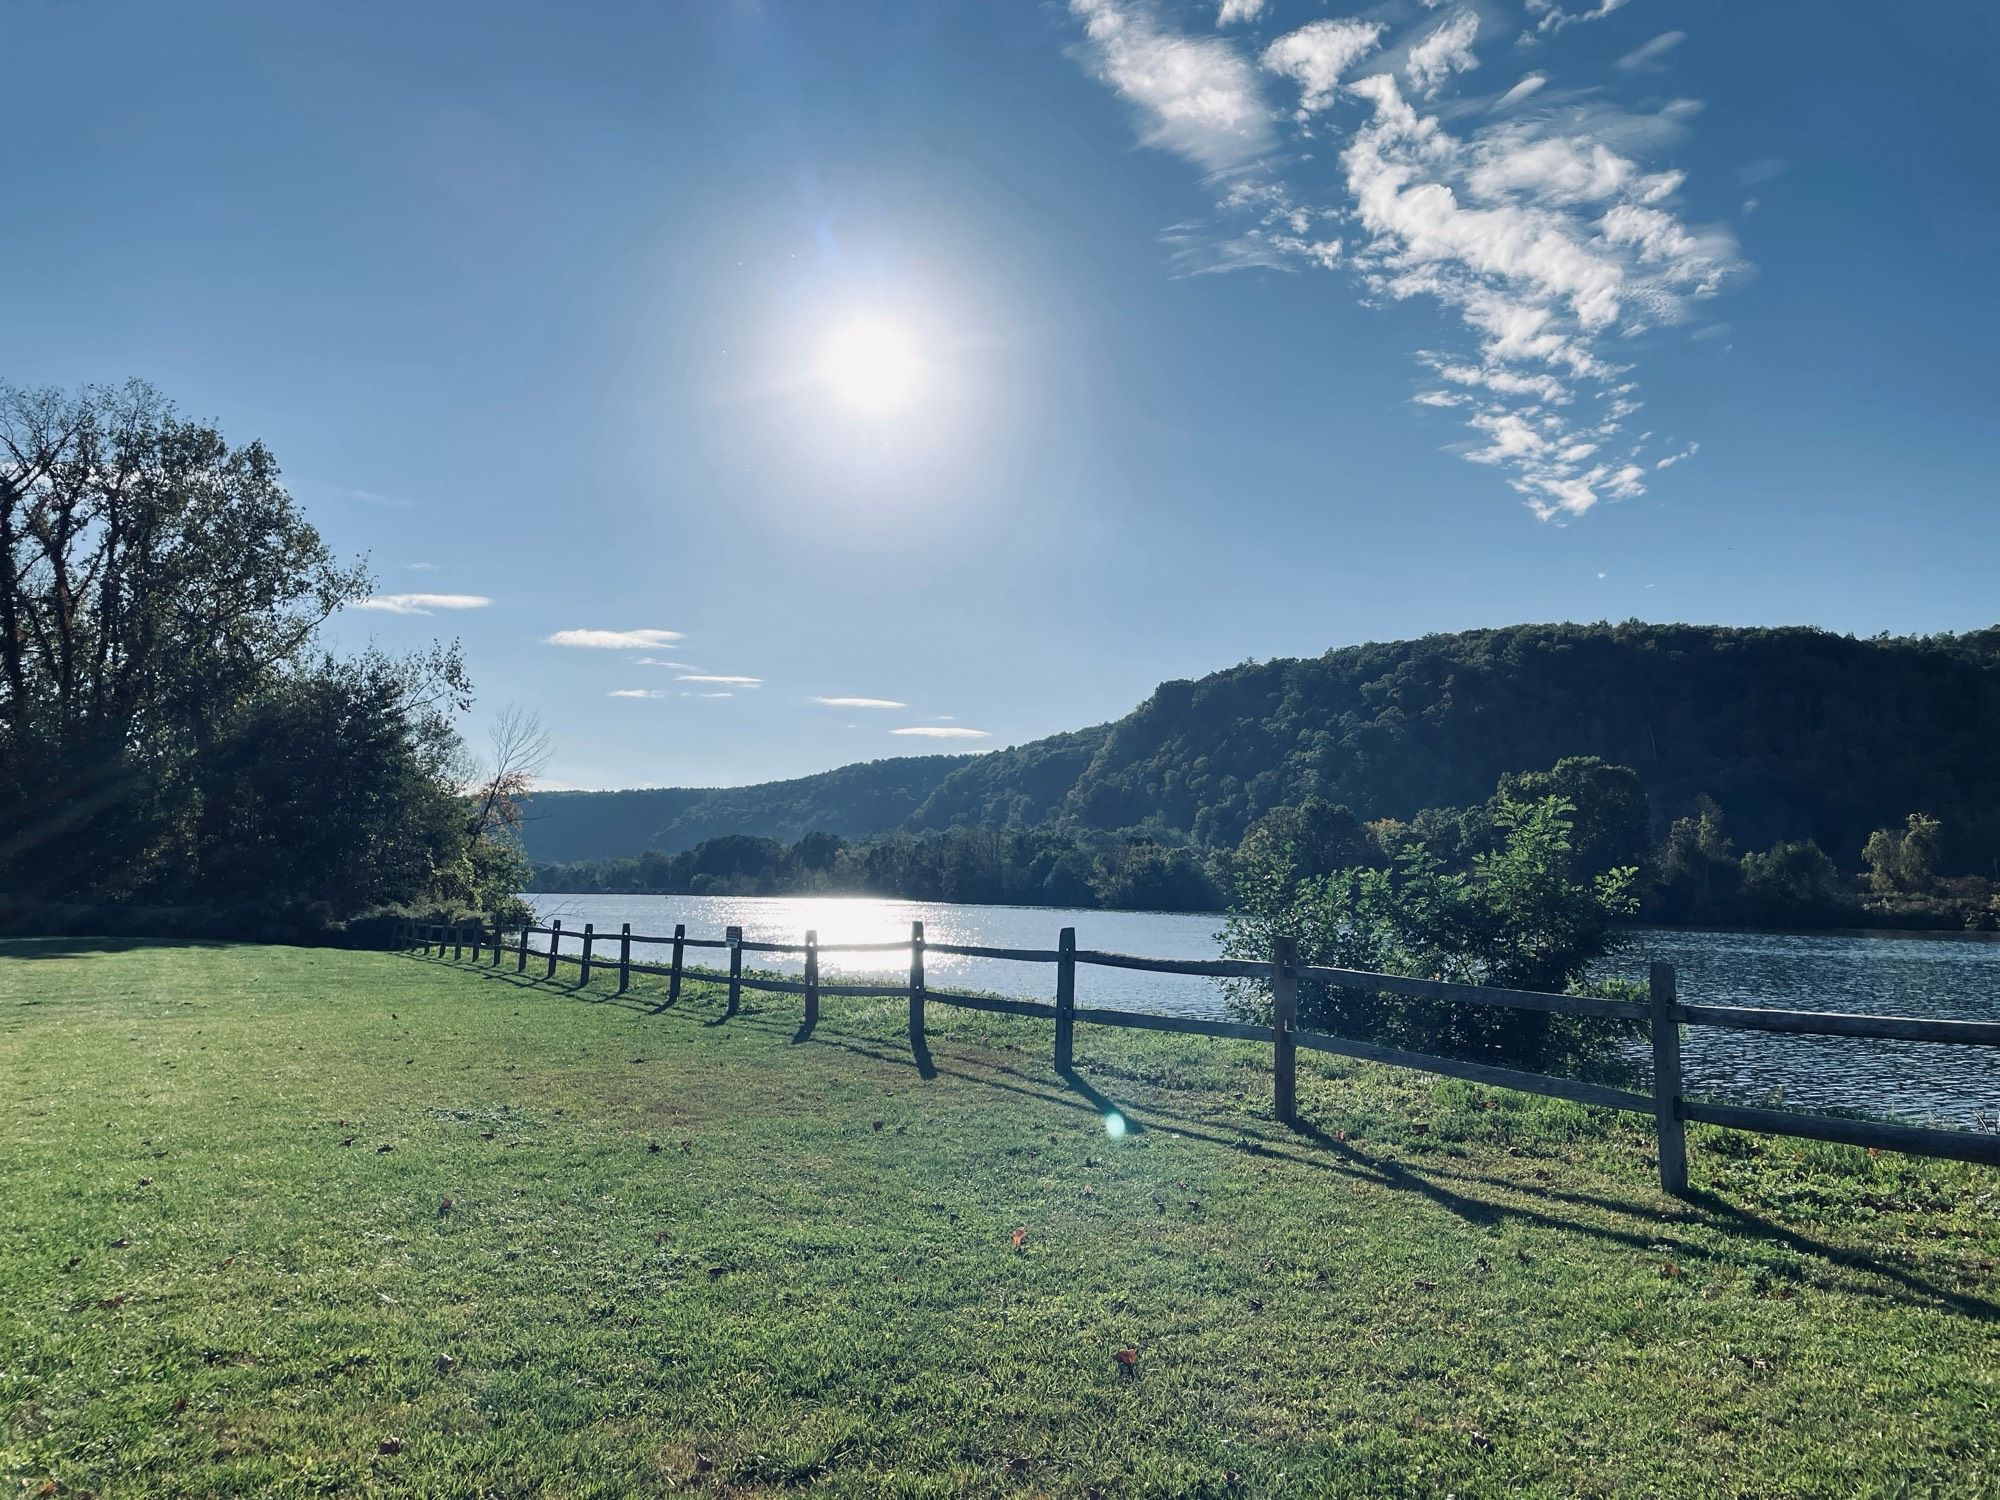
(1797, 733)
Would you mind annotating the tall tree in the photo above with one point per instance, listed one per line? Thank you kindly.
(153, 579)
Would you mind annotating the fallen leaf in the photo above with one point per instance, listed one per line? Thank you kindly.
(180, 1404)
(379, 1150)
(653, 1148)
(1020, 1238)
(348, 1142)
(878, 1124)
(389, 1445)
(1127, 1358)
(1424, 1286)
(715, 1271)
(444, 1364)
(1669, 1271)
(117, 1301)
(444, 1207)
(120, 1243)
(145, 1182)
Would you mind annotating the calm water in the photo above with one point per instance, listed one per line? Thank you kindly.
(1890, 975)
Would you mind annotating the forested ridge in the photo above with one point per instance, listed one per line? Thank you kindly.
(1794, 733)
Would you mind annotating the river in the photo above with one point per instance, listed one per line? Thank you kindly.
(1887, 974)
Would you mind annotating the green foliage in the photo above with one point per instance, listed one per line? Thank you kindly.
(168, 735)
(1519, 915)
(1906, 859)
(1038, 867)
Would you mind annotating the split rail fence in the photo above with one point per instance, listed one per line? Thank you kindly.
(1662, 1012)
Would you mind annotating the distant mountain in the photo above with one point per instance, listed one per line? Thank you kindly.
(852, 801)
(1796, 733)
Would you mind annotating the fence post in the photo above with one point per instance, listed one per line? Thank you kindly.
(521, 955)
(497, 934)
(457, 941)
(1284, 1018)
(555, 942)
(812, 979)
(424, 932)
(917, 985)
(735, 937)
(589, 937)
(1066, 1000)
(1667, 1081)
(674, 979)
(624, 958)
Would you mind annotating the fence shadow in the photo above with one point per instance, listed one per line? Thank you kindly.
(1482, 1200)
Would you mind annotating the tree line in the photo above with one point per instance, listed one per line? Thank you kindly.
(1694, 875)
(175, 739)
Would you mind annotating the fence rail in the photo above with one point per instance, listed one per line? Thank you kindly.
(1662, 1011)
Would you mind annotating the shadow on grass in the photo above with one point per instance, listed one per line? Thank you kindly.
(85, 947)
(1309, 1145)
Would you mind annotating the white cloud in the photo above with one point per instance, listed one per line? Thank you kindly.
(1548, 238)
(1646, 57)
(721, 681)
(616, 640)
(708, 695)
(1555, 18)
(1196, 95)
(1317, 54)
(858, 702)
(1532, 83)
(1233, 11)
(1681, 457)
(637, 693)
(421, 567)
(942, 732)
(654, 661)
(421, 604)
(1446, 51)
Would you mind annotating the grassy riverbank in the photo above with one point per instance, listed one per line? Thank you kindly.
(289, 1221)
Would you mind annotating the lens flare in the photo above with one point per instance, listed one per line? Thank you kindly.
(1114, 1125)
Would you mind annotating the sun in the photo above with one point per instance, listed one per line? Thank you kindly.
(872, 366)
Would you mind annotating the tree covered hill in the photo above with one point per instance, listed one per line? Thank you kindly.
(1796, 733)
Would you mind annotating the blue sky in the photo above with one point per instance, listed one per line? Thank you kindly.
(999, 361)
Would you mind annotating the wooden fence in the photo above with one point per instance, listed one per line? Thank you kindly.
(1663, 1013)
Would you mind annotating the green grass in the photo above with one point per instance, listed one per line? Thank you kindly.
(614, 1251)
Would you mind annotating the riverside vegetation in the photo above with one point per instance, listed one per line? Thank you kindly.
(337, 1222)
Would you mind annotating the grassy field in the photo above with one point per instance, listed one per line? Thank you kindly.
(284, 1222)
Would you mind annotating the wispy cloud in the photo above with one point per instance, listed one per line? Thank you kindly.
(654, 661)
(858, 702)
(942, 732)
(1233, 11)
(708, 695)
(421, 567)
(1194, 95)
(421, 604)
(1446, 51)
(1552, 17)
(616, 640)
(637, 693)
(1543, 235)
(1646, 58)
(1318, 54)
(722, 681)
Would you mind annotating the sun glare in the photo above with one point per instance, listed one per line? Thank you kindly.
(872, 366)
